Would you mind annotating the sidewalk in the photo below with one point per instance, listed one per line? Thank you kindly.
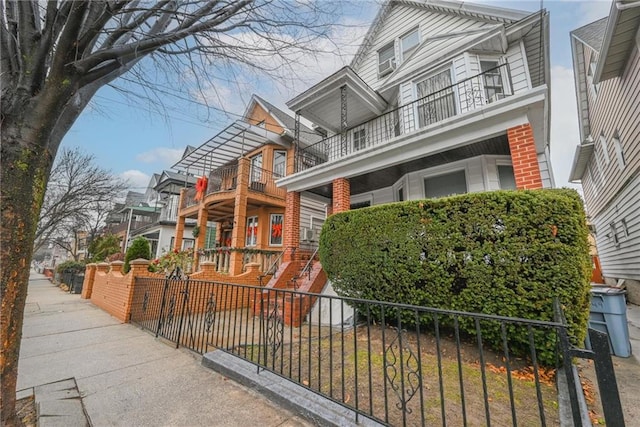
(125, 377)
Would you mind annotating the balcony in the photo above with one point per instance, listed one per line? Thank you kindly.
(458, 99)
(225, 180)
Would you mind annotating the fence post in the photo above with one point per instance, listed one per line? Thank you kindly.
(185, 301)
(606, 376)
(565, 350)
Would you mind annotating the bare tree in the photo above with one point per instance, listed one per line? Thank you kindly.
(77, 187)
(55, 57)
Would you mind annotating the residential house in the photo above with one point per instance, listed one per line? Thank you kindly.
(236, 190)
(441, 98)
(156, 216)
(606, 62)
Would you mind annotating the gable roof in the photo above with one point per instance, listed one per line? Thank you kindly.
(592, 34)
(284, 120)
(459, 8)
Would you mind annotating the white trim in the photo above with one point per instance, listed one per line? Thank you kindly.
(417, 46)
(402, 183)
(525, 64)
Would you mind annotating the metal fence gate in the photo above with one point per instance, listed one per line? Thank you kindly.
(397, 364)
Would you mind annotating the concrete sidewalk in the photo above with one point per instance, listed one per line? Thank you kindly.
(124, 376)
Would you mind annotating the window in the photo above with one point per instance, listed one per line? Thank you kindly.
(386, 59)
(409, 42)
(614, 233)
(360, 205)
(279, 163)
(275, 237)
(492, 79)
(252, 231)
(590, 72)
(603, 145)
(187, 244)
(506, 177)
(400, 194)
(446, 184)
(255, 173)
(619, 151)
(210, 237)
(435, 98)
(359, 139)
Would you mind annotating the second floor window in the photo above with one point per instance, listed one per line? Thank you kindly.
(492, 79)
(409, 42)
(436, 98)
(256, 168)
(279, 163)
(359, 139)
(386, 59)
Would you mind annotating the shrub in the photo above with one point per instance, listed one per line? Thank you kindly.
(505, 253)
(103, 247)
(139, 248)
(70, 267)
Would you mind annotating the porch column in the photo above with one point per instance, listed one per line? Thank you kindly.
(291, 238)
(177, 241)
(343, 120)
(524, 158)
(341, 195)
(202, 234)
(240, 216)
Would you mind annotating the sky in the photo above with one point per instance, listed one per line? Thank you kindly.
(136, 138)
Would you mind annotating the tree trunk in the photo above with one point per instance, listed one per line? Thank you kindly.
(24, 173)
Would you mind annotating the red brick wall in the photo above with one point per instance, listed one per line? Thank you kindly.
(524, 158)
(341, 195)
(291, 224)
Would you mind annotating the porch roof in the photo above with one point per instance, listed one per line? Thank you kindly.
(322, 103)
(228, 145)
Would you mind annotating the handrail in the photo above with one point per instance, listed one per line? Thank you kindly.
(275, 263)
(306, 269)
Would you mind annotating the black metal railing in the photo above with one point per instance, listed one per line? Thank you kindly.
(223, 179)
(398, 364)
(462, 97)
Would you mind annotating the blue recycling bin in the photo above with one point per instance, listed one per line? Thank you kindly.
(608, 314)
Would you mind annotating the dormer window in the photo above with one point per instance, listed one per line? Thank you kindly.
(409, 42)
(386, 60)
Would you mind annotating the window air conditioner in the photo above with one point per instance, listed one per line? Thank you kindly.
(387, 66)
(306, 234)
(496, 97)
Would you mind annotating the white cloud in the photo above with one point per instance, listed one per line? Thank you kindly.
(163, 155)
(136, 179)
(564, 124)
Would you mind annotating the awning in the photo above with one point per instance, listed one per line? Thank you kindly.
(140, 210)
(231, 143)
(580, 161)
(322, 103)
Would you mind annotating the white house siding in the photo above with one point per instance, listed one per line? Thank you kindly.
(545, 170)
(518, 67)
(402, 19)
(623, 260)
(312, 214)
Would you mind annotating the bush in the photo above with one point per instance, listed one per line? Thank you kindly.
(139, 248)
(505, 253)
(70, 267)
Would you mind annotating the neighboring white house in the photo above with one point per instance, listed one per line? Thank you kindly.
(441, 98)
(606, 62)
(157, 214)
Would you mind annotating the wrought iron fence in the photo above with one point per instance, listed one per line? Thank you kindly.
(464, 96)
(397, 364)
(223, 179)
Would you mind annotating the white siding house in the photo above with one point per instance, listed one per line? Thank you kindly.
(606, 58)
(431, 105)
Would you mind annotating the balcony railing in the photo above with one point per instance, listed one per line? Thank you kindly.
(223, 179)
(460, 98)
(263, 181)
(221, 257)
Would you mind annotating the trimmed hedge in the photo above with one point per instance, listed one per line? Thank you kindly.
(505, 253)
(70, 266)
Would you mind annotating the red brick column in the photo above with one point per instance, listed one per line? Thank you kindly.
(524, 158)
(341, 195)
(291, 238)
(89, 277)
(238, 235)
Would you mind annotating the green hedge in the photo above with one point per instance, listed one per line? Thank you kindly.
(504, 253)
(70, 266)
